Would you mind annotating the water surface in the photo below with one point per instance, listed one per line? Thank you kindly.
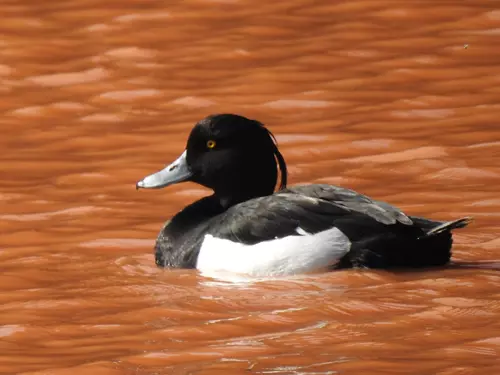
(375, 95)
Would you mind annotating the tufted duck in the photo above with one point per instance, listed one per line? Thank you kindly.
(247, 228)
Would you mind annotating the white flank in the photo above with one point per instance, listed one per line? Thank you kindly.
(290, 255)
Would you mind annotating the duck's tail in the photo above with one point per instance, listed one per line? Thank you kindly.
(447, 227)
(429, 245)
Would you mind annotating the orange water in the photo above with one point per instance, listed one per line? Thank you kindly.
(376, 95)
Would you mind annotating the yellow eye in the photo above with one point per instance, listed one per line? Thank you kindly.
(211, 144)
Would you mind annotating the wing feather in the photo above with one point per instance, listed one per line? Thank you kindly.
(312, 208)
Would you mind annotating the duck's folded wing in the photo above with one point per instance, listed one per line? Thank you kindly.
(355, 202)
(305, 210)
(297, 230)
(281, 234)
(276, 216)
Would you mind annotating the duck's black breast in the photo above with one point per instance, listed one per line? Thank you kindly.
(179, 240)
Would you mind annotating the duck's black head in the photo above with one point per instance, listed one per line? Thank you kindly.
(236, 157)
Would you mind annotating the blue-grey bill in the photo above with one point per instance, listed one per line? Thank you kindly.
(174, 173)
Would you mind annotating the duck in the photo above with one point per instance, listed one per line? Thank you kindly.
(252, 225)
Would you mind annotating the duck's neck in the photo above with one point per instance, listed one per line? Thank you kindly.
(254, 177)
(242, 193)
(229, 200)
